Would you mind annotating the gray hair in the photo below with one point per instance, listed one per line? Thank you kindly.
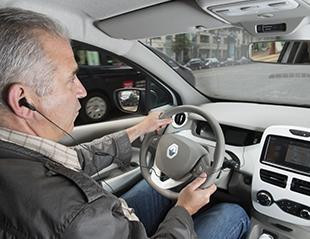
(22, 58)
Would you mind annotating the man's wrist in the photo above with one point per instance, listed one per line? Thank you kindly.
(185, 208)
(134, 132)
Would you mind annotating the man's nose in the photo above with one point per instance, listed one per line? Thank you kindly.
(81, 92)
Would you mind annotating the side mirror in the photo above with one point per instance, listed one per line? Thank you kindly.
(128, 99)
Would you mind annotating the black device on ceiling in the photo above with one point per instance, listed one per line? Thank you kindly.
(266, 28)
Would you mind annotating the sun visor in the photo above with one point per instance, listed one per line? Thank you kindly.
(162, 19)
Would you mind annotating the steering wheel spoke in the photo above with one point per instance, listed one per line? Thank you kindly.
(165, 183)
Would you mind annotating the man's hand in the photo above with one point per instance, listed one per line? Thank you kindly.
(149, 124)
(192, 198)
(152, 122)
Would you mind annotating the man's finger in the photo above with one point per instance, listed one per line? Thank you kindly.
(198, 181)
(212, 189)
(163, 122)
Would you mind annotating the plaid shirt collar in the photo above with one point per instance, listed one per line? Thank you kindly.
(54, 151)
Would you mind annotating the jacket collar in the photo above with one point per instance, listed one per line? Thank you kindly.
(52, 150)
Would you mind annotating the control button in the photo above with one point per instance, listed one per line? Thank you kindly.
(264, 198)
(294, 208)
(305, 213)
(289, 207)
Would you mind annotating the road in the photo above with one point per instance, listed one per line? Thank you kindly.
(256, 81)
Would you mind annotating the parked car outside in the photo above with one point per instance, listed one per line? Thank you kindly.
(101, 73)
(243, 60)
(183, 71)
(211, 62)
(195, 64)
(228, 62)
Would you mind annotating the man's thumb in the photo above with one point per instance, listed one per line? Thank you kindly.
(198, 181)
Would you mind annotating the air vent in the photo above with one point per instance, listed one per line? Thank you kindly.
(300, 186)
(179, 120)
(273, 178)
(277, 4)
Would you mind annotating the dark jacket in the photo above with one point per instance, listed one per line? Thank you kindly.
(42, 199)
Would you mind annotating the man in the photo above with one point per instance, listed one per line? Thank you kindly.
(45, 188)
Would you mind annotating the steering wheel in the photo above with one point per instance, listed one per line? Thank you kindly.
(178, 158)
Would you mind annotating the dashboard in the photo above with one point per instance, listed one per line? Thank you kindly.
(273, 146)
(281, 180)
(235, 136)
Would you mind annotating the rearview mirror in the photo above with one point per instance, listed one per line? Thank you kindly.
(282, 52)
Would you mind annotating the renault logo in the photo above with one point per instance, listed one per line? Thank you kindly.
(172, 151)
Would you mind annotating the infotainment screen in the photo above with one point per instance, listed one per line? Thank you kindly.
(287, 153)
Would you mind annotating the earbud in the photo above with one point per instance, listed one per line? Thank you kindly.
(24, 102)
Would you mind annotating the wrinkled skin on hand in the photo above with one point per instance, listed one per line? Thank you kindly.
(192, 198)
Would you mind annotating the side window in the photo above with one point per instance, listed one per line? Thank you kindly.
(157, 95)
(101, 73)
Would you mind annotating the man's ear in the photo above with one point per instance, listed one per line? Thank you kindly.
(15, 94)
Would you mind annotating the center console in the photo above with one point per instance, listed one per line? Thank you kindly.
(281, 179)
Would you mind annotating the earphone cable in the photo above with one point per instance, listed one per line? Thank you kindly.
(83, 146)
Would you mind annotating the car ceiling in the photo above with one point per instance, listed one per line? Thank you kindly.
(136, 19)
(101, 9)
(96, 9)
(184, 16)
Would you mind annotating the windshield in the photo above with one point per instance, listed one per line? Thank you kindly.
(185, 72)
(220, 63)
